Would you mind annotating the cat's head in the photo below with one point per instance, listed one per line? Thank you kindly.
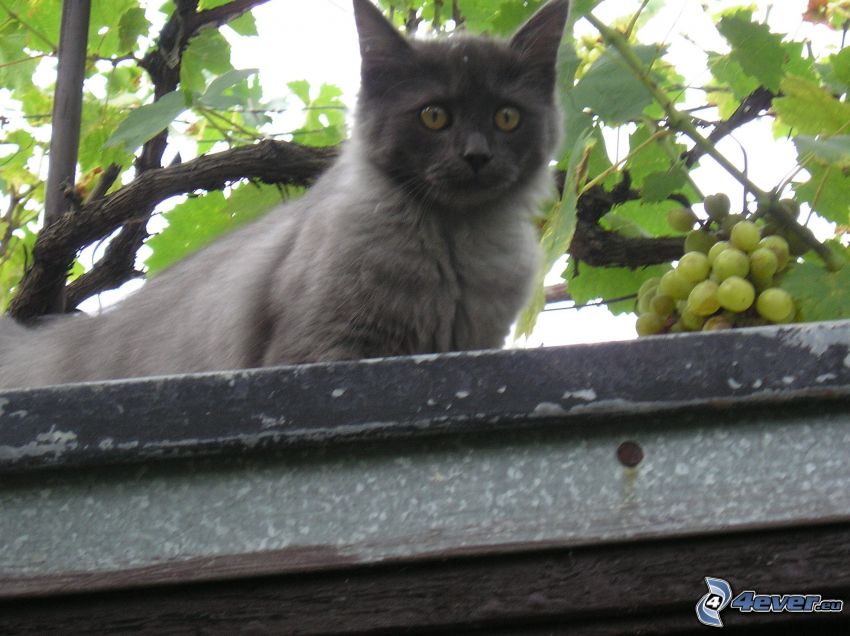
(463, 120)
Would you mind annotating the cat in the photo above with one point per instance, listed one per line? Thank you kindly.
(419, 239)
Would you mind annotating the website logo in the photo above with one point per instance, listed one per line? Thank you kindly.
(719, 596)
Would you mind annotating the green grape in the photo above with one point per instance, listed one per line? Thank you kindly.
(662, 305)
(763, 264)
(779, 246)
(681, 219)
(690, 321)
(694, 266)
(717, 323)
(775, 305)
(699, 241)
(644, 303)
(675, 285)
(736, 294)
(730, 262)
(702, 301)
(677, 327)
(716, 249)
(649, 286)
(648, 324)
(717, 206)
(745, 235)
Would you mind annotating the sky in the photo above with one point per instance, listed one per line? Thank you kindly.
(316, 40)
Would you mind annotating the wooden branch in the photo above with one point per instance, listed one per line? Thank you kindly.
(54, 251)
(162, 63)
(751, 107)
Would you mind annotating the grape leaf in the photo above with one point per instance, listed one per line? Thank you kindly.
(207, 51)
(132, 25)
(834, 150)
(611, 90)
(212, 97)
(657, 186)
(586, 283)
(558, 228)
(197, 221)
(147, 121)
(728, 73)
(245, 24)
(754, 47)
(811, 109)
(827, 191)
(841, 66)
(650, 217)
(819, 294)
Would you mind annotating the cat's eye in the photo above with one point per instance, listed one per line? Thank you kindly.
(434, 117)
(507, 118)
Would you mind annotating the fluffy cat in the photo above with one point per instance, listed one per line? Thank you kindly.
(419, 238)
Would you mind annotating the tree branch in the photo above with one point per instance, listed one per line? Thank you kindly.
(55, 249)
(751, 107)
(163, 65)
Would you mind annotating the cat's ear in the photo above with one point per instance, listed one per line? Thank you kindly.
(380, 42)
(538, 39)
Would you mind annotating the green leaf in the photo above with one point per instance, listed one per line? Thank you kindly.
(650, 217)
(657, 186)
(511, 15)
(212, 96)
(586, 283)
(810, 109)
(147, 121)
(245, 24)
(199, 220)
(611, 90)
(754, 47)
(827, 191)
(301, 88)
(818, 293)
(841, 66)
(834, 150)
(728, 72)
(132, 25)
(558, 228)
(208, 53)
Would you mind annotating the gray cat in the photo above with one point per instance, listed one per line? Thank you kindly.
(419, 239)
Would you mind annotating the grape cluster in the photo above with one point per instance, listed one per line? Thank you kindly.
(726, 277)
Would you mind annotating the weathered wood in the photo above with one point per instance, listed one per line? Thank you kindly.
(648, 587)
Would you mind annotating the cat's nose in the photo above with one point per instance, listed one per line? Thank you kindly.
(477, 152)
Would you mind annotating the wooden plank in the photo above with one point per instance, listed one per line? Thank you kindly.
(637, 587)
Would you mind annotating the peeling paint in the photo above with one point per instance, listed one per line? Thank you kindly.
(53, 442)
(583, 394)
(548, 409)
(818, 337)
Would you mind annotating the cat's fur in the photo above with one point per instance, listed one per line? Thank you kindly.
(398, 249)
